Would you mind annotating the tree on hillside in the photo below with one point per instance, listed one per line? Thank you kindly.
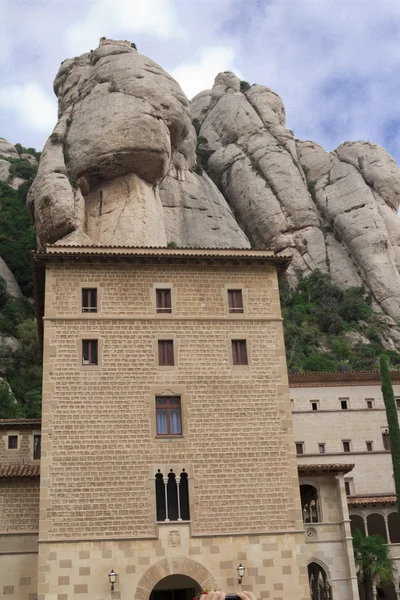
(373, 562)
(8, 404)
(393, 424)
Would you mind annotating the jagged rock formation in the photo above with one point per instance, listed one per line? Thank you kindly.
(118, 167)
(121, 168)
(336, 212)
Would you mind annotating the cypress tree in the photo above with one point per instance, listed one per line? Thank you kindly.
(393, 423)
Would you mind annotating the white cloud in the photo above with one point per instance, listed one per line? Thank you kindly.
(32, 107)
(196, 76)
(113, 18)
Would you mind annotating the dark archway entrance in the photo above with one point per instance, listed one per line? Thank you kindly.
(320, 588)
(175, 587)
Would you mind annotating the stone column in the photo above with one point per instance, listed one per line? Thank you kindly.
(347, 537)
(387, 529)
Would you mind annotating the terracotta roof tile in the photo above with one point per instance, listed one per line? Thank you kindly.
(338, 378)
(20, 422)
(357, 500)
(17, 470)
(327, 468)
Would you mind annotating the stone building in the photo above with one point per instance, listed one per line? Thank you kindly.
(337, 418)
(167, 450)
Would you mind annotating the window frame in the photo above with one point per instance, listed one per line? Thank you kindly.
(349, 446)
(386, 439)
(37, 450)
(370, 446)
(231, 294)
(12, 436)
(237, 346)
(168, 407)
(92, 300)
(344, 400)
(316, 403)
(370, 401)
(397, 400)
(165, 353)
(163, 310)
(301, 445)
(95, 343)
(323, 446)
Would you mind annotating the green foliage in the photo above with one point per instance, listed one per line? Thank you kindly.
(202, 155)
(23, 169)
(21, 366)
(172, 245)
(9, 408)
(55, 138)
(393, 423)
(133, 45)
(21, 150)
(311, 189)
(318, 316)
(244, 86)
(373, 561)
(17, 234)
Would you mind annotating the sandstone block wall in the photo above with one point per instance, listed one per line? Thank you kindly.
(19, 505)
(99, 448)
(358, 424)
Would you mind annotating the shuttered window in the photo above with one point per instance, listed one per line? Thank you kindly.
(235, 301)
(165, 353)
(239, 352)
(12, 442)
(386, 440)
(89, 352)
(89, 300)
(163, 301)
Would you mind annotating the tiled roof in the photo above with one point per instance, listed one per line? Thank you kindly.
(339, 378)
(357, 500)
(56, 251)
(16, 470)
(20, 423)
(326, 468)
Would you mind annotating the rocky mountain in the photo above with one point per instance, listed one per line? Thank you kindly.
(132, 162)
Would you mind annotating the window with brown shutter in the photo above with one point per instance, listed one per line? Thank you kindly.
(12, 442)
(299, 447)
(235, 301)
(89, 352)
(166, 353)
(168, 415)
(163, 301)
(89, 300)
(239, 352)
(37, 439)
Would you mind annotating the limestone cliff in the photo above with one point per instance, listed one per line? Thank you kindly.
(118, 167)
(333, 211)
(125, 166)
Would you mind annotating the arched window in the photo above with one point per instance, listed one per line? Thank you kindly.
(356, 524)
(310, 504)
(320, 588)
(394, 528)
(172, 496)
(376, 525)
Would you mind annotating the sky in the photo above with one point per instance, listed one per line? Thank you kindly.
(335, 63)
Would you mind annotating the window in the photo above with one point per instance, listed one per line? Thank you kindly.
(314, 404)
(37, 443)
(310, 504)
(369, 446)
(347, 488)
(385, 439)
(168, 415)
(166, 353)
(235, 301)
(369, 402)
(344, 403)
(239, 352)
(346, 446)
(299, 447)
(89, 300)
(321, 448)
(163, 301)
(398, 402)
(172, 496)
(89, 352)
(12, 442)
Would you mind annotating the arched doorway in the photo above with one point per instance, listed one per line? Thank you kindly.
(175, 587)
(310, 504)
(320, 588)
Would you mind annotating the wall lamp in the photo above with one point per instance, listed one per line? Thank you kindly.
(113, 578)
(240, 571)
